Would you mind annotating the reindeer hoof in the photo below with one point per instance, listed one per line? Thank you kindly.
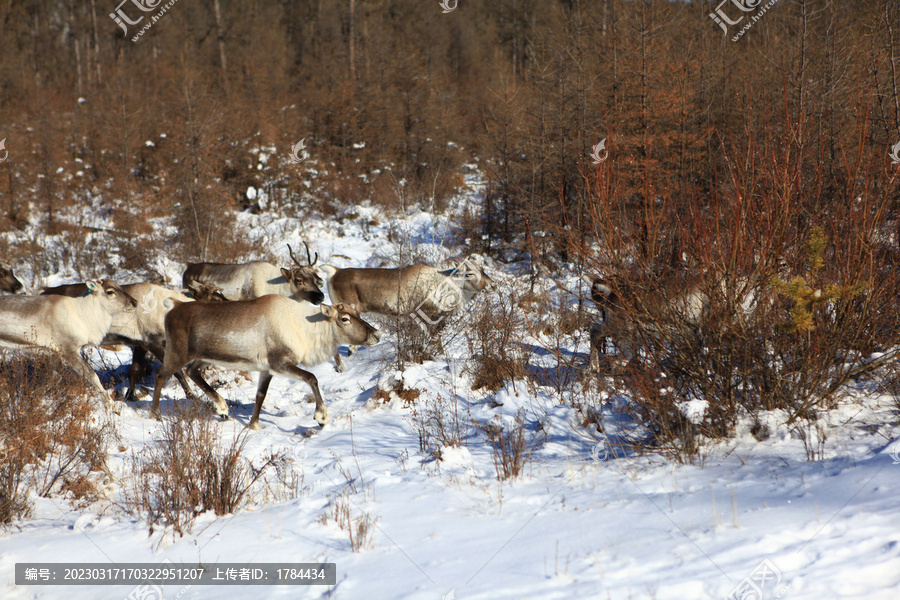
(254, 426)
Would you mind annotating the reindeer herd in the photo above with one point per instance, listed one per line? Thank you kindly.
(252, 316)
(258, 317)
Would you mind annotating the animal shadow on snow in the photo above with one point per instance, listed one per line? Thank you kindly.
(559, 375)
(619, 428)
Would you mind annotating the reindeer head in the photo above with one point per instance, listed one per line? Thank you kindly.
(206, 292)
(306, 284)
(352, 329)
(111, 293)
(474, 277)
(8, 281)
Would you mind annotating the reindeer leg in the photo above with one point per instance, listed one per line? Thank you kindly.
(265, 378)
(162, 376)
(179, 375)
(77, 362)
(598, 343)
(339, 362)
(139, 362)
(159, 352)
(193, 371)
(294, 372)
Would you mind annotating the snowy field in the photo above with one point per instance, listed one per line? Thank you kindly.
(583, 520)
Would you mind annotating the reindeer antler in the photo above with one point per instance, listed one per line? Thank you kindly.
(311, 262)
(294, 258)
(308, 258)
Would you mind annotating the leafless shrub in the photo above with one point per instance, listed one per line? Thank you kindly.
(553, 321)
(189, 471)
(13, 494)
(414, 341)
(890, 382)
(438, 423)
(383, 192)
(657, 409)
(341, 188)
(225, 243)
(359, 528)
(284, 480)
(494, 338)
(813, 434)
(787, 307)
(512, 445)
(50, 444)
(138, 253)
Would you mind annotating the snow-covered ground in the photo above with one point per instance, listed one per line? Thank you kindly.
(583, 520)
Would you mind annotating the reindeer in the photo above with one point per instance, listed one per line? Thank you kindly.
(271, 334)
(64, 324)
(631, 308)
(142, 330)
(423, 291)
(394, 291)
(254, 279)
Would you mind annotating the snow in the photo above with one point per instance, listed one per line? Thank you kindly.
(585, 519)
(694, 410)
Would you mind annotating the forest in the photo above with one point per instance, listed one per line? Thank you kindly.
(678, 225)
(804, 106)
(642, 139)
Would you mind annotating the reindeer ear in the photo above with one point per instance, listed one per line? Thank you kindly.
(329, 311)
(93, 286)
(286, 273)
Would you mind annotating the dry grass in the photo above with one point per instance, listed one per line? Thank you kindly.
(51, 443)
(512, 445)
(496, 354)
(359, 524)
(191, 470)
(407, 395)
(439, 423)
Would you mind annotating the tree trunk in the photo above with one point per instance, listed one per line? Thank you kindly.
(96, 42)
(352, 34)
(220, 34)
